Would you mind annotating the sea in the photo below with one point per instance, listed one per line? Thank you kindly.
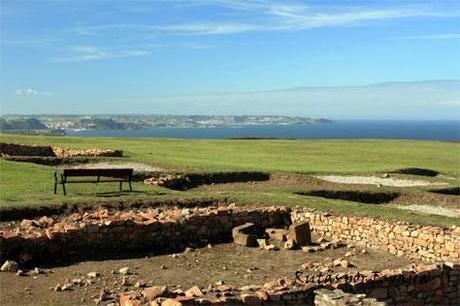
(342, 129)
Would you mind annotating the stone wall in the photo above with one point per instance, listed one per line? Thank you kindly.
(45, 241)
(326, 297)
(416, 286)
(70, 152)
(428, 243)
(433, 284)
(13, 149)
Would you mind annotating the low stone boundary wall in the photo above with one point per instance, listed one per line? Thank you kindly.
(47, 240)
(15, 149)
(70, 152)
(428, 243)
(420, 285)
(434, 284)
(326, 297)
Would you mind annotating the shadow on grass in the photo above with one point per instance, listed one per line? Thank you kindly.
(355, 196)
(448, 191)
(114, 194)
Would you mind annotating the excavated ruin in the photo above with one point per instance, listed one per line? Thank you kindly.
(433, 279)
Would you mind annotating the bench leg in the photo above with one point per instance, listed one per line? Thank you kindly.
(130, 187)
(121, 183)
(55, 188)
(63, 189)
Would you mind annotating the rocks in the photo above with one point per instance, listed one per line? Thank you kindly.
(140, 284)
(171, 302)
(28, 224)
(266, 245)
(243, 235)
(311, 249)
(251, 299)
(290, 244)
(9, 266)
(20, 273)
(300, 233)
(326, 297)
(308, 265)
(345, 264)
(195, 291)
(124, 270)
(170, 181)
(151, 293)
(93, 274)
(277, 234)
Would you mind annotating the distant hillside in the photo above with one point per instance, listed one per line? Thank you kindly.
(21, 124)
(131, 122)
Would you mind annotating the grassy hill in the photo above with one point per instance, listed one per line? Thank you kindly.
(28, 184)
(340, 156)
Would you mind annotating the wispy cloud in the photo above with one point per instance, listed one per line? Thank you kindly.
(84, 54)
(433, 36)
(31, 92)
(265, 16)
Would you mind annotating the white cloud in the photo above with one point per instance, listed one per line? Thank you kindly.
(84, 54)
(264, 16)
(31, 92)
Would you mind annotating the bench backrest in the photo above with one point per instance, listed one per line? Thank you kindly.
(118, 173)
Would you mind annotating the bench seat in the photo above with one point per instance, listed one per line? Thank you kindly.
(108, 175)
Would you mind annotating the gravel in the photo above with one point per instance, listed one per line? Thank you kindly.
(103, 165)
(433, 210)
(375, 180)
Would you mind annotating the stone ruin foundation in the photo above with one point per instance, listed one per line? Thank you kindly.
(82, 235)
(16, 149)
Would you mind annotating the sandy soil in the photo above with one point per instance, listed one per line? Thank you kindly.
(103, 165)
(375, 180)
(433, 210)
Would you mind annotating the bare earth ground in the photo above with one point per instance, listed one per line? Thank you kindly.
(230, 263)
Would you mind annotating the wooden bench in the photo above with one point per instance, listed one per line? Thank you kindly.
(107, 175)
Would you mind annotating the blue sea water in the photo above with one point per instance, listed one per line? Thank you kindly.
(344, 129)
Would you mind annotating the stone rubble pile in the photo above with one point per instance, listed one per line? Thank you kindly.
(169, 181)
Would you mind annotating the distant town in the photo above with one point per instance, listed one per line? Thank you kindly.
(59, 124)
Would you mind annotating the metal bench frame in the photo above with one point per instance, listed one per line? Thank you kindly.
(109, 175)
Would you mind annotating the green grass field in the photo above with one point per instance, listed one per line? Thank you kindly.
(27, 184)
(273, 155)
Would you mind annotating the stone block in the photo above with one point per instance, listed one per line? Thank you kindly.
(243, 235)
(300, 233)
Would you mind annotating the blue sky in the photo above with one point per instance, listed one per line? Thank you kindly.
(149, 56)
